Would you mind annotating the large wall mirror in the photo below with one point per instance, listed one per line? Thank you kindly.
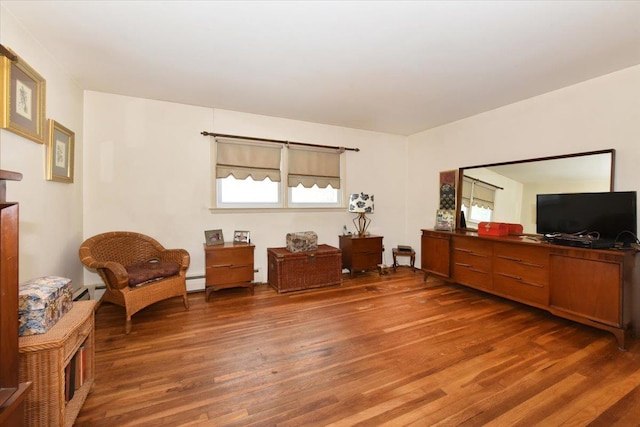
(506, 192)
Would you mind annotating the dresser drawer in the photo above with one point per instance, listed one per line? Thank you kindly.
(216, 276)
(522, 272)
(529, 262)
(230, 256)
(366, 260)
(367, 245)
(472, 263)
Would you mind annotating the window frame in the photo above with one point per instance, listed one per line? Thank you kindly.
(284, 191)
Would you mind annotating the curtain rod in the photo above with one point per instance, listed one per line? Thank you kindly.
(483, 182)
(250, 138)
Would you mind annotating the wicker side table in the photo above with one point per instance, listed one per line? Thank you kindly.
(43, 359)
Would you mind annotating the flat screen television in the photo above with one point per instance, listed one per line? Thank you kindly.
(607, 215)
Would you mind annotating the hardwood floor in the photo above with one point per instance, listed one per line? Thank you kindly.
(377, 350)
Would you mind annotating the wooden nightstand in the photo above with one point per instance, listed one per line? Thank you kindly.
(361, 253)
(229, 265)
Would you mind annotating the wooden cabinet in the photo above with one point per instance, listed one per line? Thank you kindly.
(434, 254)
(12, 391)
(595, 287)
(590, 286)
(45, 359)
(361, 253)
(229, 265)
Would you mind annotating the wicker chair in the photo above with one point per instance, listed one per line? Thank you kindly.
(115, 256)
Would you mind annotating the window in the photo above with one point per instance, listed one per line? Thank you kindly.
(249, 175)
(477, 200)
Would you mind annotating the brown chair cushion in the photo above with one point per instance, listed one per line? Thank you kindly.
(144, 272)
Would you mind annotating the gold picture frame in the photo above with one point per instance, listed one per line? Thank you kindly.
(22, 97)
(213, 237)
(60, 153)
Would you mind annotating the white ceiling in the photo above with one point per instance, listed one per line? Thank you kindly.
(398, 67)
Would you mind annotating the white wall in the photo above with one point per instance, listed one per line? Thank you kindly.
(147, 170)
(597, 114)
(147, 165)
(50, 212)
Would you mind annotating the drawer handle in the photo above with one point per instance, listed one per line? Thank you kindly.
(508, 258)
(520, 261)
(471, 268)
(222, 265)
(519, 279)
(511, 276)
(470, 252)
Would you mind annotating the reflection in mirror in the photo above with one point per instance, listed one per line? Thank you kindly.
(506, 192)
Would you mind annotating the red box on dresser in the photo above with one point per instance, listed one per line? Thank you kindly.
(493, 229)
(294, 271)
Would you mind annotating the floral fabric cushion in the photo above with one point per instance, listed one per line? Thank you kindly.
(144, 272)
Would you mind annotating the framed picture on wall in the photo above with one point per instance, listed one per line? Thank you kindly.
(60, 147)
(22, 97)
(213, 237)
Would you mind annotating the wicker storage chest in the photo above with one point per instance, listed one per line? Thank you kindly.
(43, 359)
(295, 271)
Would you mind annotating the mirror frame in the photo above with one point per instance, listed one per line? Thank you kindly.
(461, 171)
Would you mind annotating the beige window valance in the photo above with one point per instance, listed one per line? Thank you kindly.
(312, 166)
(244, 159)
(478, 193)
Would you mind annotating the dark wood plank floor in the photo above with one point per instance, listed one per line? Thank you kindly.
(377, 350)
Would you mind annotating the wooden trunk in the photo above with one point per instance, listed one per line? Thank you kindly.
(295, 271)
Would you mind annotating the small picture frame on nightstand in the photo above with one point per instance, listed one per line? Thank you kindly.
(213, 237)
(241, 236)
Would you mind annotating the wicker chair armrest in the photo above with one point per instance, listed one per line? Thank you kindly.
(179, 256)
(112, 272)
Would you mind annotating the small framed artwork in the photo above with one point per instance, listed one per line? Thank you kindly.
(445, 220)
(60, 147)
(241, 236)
(213, 237)
(22, 97)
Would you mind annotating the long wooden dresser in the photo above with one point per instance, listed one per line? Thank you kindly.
(590, 286)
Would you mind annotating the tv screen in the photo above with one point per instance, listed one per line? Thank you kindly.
(609, 215)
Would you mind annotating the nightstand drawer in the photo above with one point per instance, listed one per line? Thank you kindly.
(366, 260)
(230, 256)
(229, 274)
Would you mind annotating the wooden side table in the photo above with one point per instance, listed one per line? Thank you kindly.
(396, 253)
(229, 265)
(361, 253)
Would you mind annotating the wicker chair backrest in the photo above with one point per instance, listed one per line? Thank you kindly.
(124, 248)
